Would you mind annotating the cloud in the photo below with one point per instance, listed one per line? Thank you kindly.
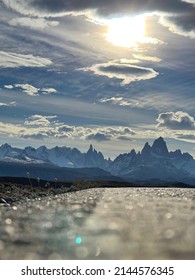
(128, 73)
(116, 131)
(102, 7)
(120, 101)
(147, 58)
(37, 136)
(42, 127)
(33, 23)
(28, 89)
(31, 90)
(180, 24)
(14, 60)
(177, 15)
(99, 137)
(188, 137)
(45, 8)
(65, 128)
(170, 101)
(114, 100)
(176, 121)
(8, 86)
(48, 90)
(110, 133)
(124, 138)
(10, 129)
(10, 104)
(39, 120)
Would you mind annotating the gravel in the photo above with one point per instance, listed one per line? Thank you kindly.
(101, 223)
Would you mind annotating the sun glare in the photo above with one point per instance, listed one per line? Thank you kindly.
(126, 32)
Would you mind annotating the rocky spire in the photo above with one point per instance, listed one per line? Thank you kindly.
(159, 147)
(146, 151)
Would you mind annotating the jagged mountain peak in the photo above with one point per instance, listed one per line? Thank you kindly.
(159, 147)
(43, 147)
(133, 152)
(176, 154)
(187, 156)
(146, 149)
(91, 150)
(5, 146)
(159, 141)
(5, 150)
(154, 162)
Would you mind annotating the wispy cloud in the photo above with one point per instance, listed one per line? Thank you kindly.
(146, 58)
(120, 101)
(33, 23)
(15, 60)
(10, 104)
(151, 101)
(186, 137)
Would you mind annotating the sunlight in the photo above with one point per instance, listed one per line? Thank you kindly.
(126, 32)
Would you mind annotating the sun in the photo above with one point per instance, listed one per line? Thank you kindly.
(126, 32)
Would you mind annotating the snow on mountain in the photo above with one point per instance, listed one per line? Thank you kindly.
(183, 161)
(59, 156)
(63, 156)
(94, 159)
(7, 151)
(152, 163)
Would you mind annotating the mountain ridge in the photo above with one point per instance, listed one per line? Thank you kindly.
(154, 162)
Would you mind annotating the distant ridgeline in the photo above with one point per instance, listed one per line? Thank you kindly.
(153, 164)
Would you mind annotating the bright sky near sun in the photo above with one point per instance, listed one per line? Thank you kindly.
(112, 73)
(126, 32)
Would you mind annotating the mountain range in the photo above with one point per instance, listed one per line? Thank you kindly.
(152, 164)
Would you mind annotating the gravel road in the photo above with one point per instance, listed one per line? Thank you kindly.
(110, 223)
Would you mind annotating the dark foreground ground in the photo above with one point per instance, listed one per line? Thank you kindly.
(16, 189)
(96, 223)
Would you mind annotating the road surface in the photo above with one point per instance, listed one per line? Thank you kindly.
(111, 223)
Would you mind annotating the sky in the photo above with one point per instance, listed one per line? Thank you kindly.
(114, 74)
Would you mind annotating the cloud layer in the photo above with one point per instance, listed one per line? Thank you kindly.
(42, 127)
(177, 15)
(49, 7)
(128, 73)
